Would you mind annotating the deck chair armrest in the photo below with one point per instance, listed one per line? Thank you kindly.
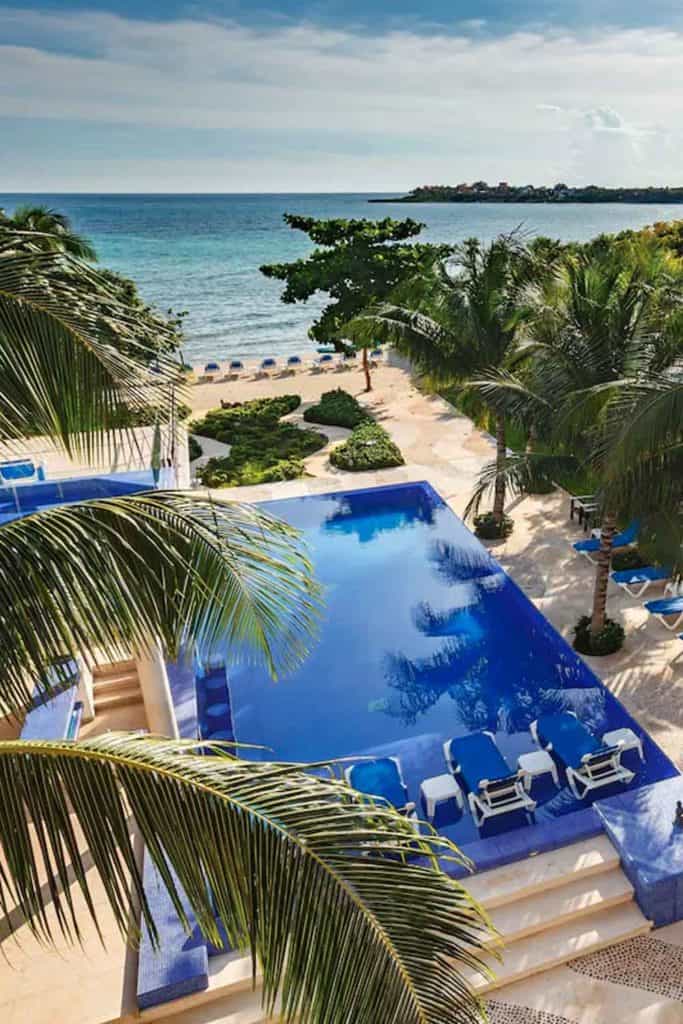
(602, 753)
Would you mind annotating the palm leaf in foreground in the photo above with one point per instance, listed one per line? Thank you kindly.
(71, 352)
(119, 573)
(296, 864)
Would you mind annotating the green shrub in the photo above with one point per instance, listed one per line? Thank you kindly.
(607, 641)
(629, 558)
(487, 526)
(337, 408)
(196, 449)
(229, 423)
(263, 450)
(224, 473)
(369, 447)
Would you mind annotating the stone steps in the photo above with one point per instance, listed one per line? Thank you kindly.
(556, 945)
(542, 873)
(577, 899)
(548, 909)
(554, 907)
(116, 685)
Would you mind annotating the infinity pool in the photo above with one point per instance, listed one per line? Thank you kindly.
(424, 638)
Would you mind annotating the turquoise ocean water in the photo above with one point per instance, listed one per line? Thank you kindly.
(202, 253)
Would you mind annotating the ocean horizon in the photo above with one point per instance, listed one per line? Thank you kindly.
(201, 252)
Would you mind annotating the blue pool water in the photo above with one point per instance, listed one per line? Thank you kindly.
(23, 499)
(424, 638)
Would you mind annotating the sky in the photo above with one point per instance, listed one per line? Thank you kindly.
(337, 95)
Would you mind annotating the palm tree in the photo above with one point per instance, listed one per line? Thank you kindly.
(294, 861)
(463, 321)
(48, 230)
(606, 332)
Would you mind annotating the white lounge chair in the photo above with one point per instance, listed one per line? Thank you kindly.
(588, 763)
(493, 788)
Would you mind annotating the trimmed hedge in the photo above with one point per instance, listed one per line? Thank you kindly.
(338, 409)
(369, 447)
(230, 423)
(263, 450)
(607, 641)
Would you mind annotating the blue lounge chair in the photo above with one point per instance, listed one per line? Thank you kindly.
(349, 359)
(667, 608)
(588, 763)
(590, 547)
(235, 367)
(636, 581)
(293, 363)
(493, 788)
(382, 777)
(210, 371)
(20, 471)
(327, 359)
(268, 364)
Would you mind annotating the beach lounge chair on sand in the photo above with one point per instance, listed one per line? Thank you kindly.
(588, 763)
(325, 360)
(667, 608)
(209, 372)
(590, 547)
(493, 788)
(636, 581)
(267, 365)
(382, 777)
(235, 369)
(294, 363)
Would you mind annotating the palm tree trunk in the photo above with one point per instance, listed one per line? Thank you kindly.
(366, 370)
(499, 491)
(599, 614)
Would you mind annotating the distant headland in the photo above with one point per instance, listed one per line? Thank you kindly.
(481, 192)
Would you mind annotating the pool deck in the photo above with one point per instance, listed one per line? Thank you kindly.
(93, 985)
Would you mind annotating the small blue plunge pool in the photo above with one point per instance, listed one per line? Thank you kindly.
(24, 499)
(425, 638)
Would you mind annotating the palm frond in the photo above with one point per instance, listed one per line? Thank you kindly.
(518, 472)
(314, 881)
(509, 395)
(71, 352)
(120, 572)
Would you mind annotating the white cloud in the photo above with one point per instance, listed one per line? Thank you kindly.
(382, 111)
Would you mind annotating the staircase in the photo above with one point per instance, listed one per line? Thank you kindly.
(116, 685)
(548, 909)
(555, 907)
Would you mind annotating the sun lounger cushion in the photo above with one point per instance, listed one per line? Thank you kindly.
(380, 778)
(665, 606)
(478, 758)
(570, 739)
(648, 574)
(180, 965)
(627, 536)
